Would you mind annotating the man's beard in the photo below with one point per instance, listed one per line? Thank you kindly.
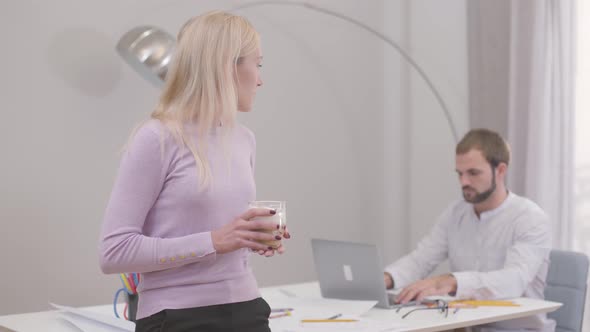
(480, 197)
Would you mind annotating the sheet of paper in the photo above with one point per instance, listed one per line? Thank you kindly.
(94, 322)
(320, 308)
(293, 324)
(84, 324)
(312, 308)
(362, 325)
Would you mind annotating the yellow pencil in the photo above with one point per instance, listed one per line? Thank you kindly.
(126, 282)
(328, 320)
(486, 303)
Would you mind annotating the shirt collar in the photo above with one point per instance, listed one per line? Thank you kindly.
(491, 213)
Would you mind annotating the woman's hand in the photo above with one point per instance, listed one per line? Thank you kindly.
(280, 250)
(245, 233)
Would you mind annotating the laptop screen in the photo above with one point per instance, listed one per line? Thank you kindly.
(350, 271)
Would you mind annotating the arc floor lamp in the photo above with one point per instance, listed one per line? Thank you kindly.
(149, 49)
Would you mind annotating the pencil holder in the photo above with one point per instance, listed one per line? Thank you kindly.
(132, 300)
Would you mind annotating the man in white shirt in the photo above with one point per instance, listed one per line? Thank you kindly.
(497, 243)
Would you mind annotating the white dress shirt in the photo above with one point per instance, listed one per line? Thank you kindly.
(502, 254)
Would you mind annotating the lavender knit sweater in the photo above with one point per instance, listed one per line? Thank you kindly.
(159, 224)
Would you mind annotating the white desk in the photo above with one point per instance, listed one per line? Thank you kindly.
(420, 321)
(430, 320)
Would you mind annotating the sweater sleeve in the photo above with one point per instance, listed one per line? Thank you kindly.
(123, 246)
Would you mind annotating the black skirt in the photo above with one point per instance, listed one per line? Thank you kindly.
(249, 316)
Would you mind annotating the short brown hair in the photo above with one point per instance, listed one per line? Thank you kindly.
(490, 143)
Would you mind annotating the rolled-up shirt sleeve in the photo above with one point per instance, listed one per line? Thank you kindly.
(431, 251)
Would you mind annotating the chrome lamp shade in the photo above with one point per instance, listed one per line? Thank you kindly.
(148, 50)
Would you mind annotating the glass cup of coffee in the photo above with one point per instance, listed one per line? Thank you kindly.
(280, 218)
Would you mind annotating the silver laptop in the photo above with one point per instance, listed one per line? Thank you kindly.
(350, 271)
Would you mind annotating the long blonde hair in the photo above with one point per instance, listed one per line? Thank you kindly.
(201, 84)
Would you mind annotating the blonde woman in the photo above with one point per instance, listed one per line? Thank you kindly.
(178, 212)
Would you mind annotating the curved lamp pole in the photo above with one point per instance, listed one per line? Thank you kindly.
(148, 50)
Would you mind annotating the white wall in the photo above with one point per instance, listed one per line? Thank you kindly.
(332, 137)
(438, 42)
(319, 125)
(393, 239)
